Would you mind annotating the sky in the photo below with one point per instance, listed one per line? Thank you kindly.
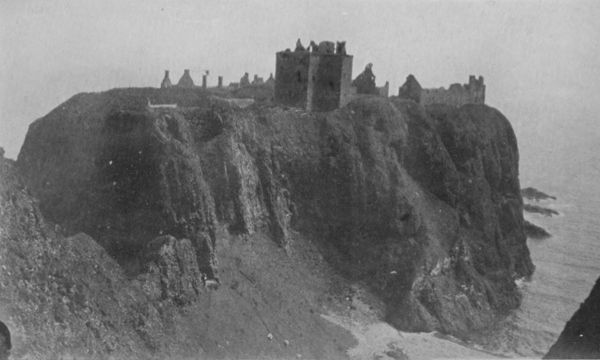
(540, 59)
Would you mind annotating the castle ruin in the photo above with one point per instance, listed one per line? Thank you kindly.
(317, 78)
(245, 80)
(456, 95)
(271, 80)
(186, 80)
(257, 80)
(365, 83)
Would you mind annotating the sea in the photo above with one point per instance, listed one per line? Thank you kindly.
(560, 156)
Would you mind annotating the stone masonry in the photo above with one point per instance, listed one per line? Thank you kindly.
(317, 78)
(186, 80)
(455, 95)
(166, 82)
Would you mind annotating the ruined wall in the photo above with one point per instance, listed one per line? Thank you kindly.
(329, 81)
(456, 95)
(291, 78)
(365, 82)
(384, 90)
(411, 89)
(346, 89)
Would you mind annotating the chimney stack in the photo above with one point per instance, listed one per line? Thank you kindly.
(186, 80)
(166, 83)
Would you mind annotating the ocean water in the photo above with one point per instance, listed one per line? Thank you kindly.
(561, 159)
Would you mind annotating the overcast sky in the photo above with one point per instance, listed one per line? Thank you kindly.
(539, 58)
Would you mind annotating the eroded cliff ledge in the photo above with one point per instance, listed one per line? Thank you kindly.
(421, 205)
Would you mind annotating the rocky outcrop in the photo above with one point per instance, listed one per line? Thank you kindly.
(171, 270)
(421, 205)
(580, 338)
(535, 194)
(539, 210)
(122, 174)
(65, 297)
(534, 231)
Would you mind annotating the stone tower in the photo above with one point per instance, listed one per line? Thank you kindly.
(318, 78)
(186, 80)
(166, 82)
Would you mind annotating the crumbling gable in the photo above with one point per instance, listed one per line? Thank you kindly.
(365, 82)
(411, 89)
(186, 80)
(317, 78)
(245, 80)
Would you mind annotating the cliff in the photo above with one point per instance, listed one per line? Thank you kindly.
(580, 338)
(287, 210)
(66, 297)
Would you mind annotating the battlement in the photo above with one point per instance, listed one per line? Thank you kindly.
(317, 78)
(456, 95)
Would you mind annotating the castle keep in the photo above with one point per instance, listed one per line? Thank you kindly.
(455, 95)
(317, 78)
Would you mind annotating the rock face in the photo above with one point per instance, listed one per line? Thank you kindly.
(66, 294)
(580, 338)
(534, 194)
(540, 210)
(172, 270)
(420, 205)
(65, 297)
(534, 231)
(121, 175)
